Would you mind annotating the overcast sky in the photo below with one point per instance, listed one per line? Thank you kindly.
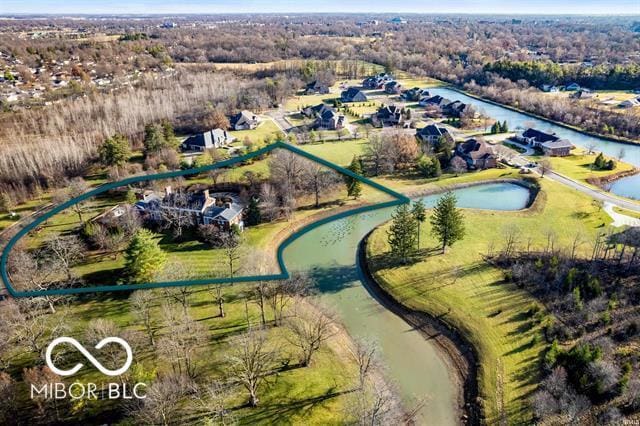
(331, 6)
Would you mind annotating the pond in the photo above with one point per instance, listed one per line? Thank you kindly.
(626, 187)
(328, 254)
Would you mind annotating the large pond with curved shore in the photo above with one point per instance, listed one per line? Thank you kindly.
(627, 187)
(415, 364)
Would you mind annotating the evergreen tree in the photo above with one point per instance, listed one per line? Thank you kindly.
(115, 151)
(599, 163)
(154, 139)
(437, 168)
(447, 221)
(354, 186)
(130, 198)
(505, 127)
(169, 135)
(254, 216)
(494, 128)
(144, 258)
(402, 233)
(419, 213)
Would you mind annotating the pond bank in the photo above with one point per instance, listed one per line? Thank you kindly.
(458, 353)
(611, 138)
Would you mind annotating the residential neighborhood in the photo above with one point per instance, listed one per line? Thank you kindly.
(268, 213)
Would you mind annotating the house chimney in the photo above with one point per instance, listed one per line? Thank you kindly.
(167, 190)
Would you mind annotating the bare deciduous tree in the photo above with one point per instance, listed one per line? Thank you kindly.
(181, 340)
(161, 405)
(310, 329)
(250, 361)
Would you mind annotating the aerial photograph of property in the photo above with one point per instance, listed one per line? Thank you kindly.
(272, 212)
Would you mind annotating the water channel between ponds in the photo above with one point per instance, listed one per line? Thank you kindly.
(328, 254)
(626, 187)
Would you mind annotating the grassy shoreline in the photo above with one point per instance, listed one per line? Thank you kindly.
(471, 296)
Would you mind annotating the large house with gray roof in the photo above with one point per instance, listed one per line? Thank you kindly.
(216, 138)
(198, 208)
(549, 143)
(244, 120)
(353, 94)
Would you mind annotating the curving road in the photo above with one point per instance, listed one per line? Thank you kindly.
(593, 193)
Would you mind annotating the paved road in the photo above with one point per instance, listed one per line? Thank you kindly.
(593, 193)
(608, 199)
(278, 116)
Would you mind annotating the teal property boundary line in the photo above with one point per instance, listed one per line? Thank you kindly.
(284, 274)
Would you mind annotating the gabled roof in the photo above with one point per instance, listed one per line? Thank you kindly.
(557, 144)
(328, 114)
(475, 149)
(432, 130)
(389, 111)
(316, 85)
(539, 136)
(243, 116)
(351, 93)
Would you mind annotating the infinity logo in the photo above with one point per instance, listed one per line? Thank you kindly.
(88, 356)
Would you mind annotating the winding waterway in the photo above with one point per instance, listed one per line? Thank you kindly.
(328, 254)
(626, 187)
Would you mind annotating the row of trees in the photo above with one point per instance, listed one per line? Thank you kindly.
(447, 224)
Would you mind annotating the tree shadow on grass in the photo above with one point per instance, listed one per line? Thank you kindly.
(274, 413)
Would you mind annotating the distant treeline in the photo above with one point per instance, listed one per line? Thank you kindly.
(537, 73)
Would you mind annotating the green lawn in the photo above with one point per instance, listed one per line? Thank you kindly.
(316, 394)
(266, 128)
(626, 212)
(340, 153)
(578, 166)
(470, 295)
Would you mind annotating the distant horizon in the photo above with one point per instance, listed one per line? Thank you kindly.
(266, 7)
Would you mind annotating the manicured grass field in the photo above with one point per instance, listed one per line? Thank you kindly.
(470, 295)
(340, 153)
(296, 103)
(266, 128)
(626, 212)
(579, 166)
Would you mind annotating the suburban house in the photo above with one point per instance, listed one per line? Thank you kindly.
(437, 101)
(316, 87)
(630, 103)
(329, 119)
(572, 87)
(433, 135)
(326, 117)
(477, 154)
(549, 143)
(376, 81)
(583, 94)
(353, 94)
(313, 111)
(550, 88)
(244, 120)
(198, 208)
(415, 94)
(557, 148)
(393, 88)
(457, 108)
(390, 115)
(111, 215)
(215, 138)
